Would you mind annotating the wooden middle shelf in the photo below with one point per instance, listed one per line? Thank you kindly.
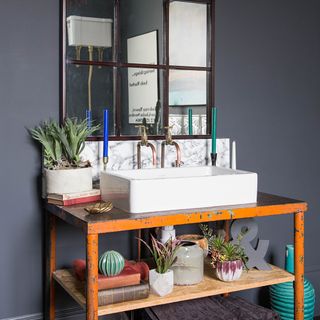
(208, 287)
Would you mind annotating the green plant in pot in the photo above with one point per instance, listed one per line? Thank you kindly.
(161, 278)
(227, 258)
(64, 171)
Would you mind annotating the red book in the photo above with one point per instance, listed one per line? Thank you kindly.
(129, 276)
(71, 202)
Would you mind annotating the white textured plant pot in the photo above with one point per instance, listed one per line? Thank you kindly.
(229, 270)
(161, 283)
(68, 180)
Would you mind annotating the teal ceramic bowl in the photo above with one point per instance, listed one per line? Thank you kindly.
(290, 299)
(309, 291)
(290, 315)
(307, 312)
(307, 303)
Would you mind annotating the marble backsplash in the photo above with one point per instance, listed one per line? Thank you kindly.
(123, 154)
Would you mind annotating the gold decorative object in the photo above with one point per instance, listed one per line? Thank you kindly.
(100, 207)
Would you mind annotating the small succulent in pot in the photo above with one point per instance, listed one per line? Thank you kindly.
(227, 258)
(164, 254)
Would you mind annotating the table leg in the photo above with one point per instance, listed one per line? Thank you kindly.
(92, 276)
(50, 266)
(227, 229)
(299, 265)
(139, 236)
(227, 238)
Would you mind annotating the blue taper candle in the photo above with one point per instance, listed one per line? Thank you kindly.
(89, 118)
(105, 133)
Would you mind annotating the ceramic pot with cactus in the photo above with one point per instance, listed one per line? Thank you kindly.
(64, 170)
(227, 258)
(161, 278)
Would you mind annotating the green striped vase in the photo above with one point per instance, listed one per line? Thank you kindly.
(282, 294)
(111, 263)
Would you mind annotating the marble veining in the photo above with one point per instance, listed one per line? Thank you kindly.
(180, 124)
(123, 154)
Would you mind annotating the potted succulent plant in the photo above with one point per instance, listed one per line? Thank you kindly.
(161, 278)
(64, 171)
(227, 258)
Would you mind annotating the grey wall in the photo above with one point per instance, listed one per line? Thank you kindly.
(267, 91)
(268, 94)
(29, 86)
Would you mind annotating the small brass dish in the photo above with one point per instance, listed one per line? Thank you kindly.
(100, 207)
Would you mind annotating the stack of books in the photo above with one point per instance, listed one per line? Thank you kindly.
(69, 199)
(130, 284)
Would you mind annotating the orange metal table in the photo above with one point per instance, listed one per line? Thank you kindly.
(117, 220)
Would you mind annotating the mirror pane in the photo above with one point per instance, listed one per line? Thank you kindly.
(188, 34)
(141, 31)
(187, 87)
(188, 101)
(141, 100)
(90, 89)
(90, 24)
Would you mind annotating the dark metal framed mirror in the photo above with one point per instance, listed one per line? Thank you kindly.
(147, 61)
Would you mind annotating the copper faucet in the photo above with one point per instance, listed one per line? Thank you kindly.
(145, 143)
(169, 141)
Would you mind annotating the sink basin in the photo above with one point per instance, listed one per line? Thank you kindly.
(149, 190)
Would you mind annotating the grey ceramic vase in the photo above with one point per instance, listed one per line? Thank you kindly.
(282, 294)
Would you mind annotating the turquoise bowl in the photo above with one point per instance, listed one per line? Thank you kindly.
(290, 297)
(282, 294)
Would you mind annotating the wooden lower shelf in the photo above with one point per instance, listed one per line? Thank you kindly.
(210, 286)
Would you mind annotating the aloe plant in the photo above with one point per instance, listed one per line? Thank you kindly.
(164, 254)
(62, 145)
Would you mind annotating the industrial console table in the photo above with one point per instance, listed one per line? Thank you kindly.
(117, 220)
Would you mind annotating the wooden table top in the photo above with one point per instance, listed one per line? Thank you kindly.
(118, 220)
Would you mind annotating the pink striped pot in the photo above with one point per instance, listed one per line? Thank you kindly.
(229, 270)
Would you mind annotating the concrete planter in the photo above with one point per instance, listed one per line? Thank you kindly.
(229, 270)
(161, 284)
(67, 180)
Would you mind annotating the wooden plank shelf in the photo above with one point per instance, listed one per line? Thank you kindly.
(208, 287)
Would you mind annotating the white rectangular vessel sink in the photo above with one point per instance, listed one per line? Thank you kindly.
(150, 190)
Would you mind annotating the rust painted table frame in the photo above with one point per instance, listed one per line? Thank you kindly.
(92, 227)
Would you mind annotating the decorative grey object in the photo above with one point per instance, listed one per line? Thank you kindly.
(247, 229)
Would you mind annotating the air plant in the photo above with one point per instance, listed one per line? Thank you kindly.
(62, 145)
(164, 254)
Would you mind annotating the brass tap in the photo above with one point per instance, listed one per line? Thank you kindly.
(169, 141)
(143, 134)
(145, 143)
(169, 135)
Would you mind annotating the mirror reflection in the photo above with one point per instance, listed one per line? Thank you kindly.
(141, 31)
(141, 100)
(117, 56)
(90, 30)
(87, 96)
(188, 34)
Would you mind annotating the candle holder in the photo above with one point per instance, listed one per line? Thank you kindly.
(214, 159)
(105, 162)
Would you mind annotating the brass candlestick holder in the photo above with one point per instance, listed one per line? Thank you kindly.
(214, 159)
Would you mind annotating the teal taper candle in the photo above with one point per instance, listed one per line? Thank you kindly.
(190, 121)
(214, 130)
